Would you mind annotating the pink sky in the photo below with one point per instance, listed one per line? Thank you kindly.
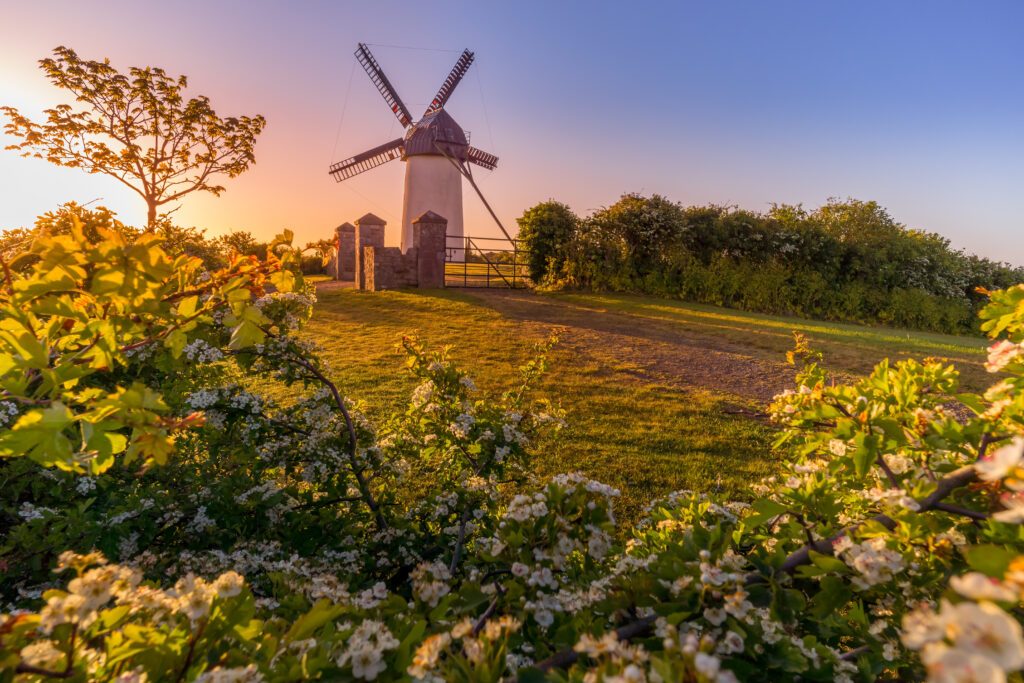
(742, 103)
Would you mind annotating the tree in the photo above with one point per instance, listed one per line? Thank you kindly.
(137, 128)
(545, 230)
(644, 226)
(242, 242)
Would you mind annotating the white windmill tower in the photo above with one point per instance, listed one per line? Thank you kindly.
(435, 148)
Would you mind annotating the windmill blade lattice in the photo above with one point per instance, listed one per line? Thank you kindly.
(376, 74)
(458, 71)
(371, 158)
(482, 158)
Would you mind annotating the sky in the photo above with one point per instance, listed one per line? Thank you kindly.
(917, 105)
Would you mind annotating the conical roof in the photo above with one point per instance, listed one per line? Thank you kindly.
(433, 131)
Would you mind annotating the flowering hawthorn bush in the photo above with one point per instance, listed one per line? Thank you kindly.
(162, 520)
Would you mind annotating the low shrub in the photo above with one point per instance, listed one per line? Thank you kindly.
(164, 521)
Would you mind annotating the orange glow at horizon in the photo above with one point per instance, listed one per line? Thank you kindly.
(742, 103)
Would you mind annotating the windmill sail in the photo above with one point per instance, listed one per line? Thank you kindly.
(371, 158)
(458, 71)
(376, 75)
(482, 158)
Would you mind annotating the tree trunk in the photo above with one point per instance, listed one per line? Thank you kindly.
(151, 217)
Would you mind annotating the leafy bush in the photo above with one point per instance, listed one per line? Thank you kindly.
(255, 540)
(545, 230)
(844, 261)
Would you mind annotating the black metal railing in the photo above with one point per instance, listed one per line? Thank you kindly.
(485, 262)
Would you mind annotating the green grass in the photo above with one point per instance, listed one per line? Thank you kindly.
(853, 348)
(625, 428)
(644, 438)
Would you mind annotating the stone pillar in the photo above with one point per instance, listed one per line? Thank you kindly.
(369, 233)
(429, 237)
(371, 271)
(345, 260)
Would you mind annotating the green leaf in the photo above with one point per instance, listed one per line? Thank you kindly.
(866, 453)
(188, 306)
(246, 334)
(834, 594)
(321, 613)
(176, 341)
(284, 280)
(990, 560)
(764, 510)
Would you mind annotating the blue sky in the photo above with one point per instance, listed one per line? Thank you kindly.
(918, 105)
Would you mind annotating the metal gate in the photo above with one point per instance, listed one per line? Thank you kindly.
(485, 262)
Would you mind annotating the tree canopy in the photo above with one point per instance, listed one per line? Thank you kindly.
(138, 128)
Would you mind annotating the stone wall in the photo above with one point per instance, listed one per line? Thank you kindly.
(376, 267)
(389, 268)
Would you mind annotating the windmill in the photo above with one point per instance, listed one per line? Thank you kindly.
(435, 149)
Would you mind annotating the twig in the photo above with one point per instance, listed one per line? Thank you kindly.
(329, 501)
(854, 653)
(957, 510)
(191, 651)
(488, 613)
(364, 489)
(568, 657)
(949, 483)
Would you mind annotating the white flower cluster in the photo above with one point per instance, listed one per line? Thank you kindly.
(630, 658)
(1002, 353)
(474, 647)
(30, 512)
(892, 497)
(874, 561)
(461, 426)
(430, 582)
(200, 351)
(94, 588)
(968, 641)
(290, 309)
(523, 508)
(8, 412)
(365, 648)
(242, 674)
(1006, 466)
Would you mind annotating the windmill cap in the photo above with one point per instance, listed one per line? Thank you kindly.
(370, 219)
(344, 225)
(435, 130)
(430, 217)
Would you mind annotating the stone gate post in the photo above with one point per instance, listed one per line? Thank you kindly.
(369, 233)
(345, 259)
(429, 237)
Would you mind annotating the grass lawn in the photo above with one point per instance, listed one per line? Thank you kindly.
(853, 348)
(627, 429)
(644, 438)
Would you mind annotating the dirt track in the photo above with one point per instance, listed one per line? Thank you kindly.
(666, 352)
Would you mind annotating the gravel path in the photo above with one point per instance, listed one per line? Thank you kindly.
(667, 352)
